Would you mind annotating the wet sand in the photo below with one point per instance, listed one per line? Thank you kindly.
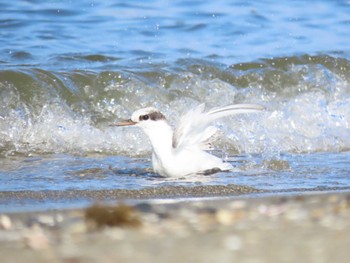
(116, 194)
(294, 228)
(163, 192)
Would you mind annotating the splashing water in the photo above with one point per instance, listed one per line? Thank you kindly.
(307, 100)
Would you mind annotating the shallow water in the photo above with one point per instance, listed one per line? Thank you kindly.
(64, 172)
(69, 69)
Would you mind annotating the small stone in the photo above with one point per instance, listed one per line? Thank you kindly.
(272, 210)
(5, 222)
(224, 217)
(238, 204)
(36, 239)
(233, 242)
(46, 220)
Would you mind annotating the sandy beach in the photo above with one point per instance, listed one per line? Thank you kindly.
(289, 228)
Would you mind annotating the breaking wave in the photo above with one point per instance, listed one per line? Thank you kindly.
(307, 100)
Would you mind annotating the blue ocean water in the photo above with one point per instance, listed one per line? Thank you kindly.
(66, 34)
(69, 68)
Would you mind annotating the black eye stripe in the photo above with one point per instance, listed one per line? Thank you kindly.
(154, 116)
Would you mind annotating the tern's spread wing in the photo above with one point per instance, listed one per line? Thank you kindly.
(194, 129)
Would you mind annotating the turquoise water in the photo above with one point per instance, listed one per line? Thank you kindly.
(70, 68)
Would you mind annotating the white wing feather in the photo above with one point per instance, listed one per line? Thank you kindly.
(194, 130)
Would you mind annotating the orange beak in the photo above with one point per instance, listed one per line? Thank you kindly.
(124, 123)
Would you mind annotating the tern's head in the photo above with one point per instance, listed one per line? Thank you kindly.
(144, 118)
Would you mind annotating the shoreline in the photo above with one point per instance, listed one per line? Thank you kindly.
(149, 192)
(165, 192)
(15, 201)
(312, 227)
(26, 201)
